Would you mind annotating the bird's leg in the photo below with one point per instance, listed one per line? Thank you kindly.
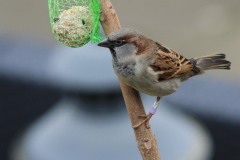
(151, 113)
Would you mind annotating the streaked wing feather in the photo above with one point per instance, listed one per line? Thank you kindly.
(168, 63)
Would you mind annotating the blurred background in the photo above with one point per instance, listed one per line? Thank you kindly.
(53, 100)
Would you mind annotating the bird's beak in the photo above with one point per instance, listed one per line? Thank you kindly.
(105, 43)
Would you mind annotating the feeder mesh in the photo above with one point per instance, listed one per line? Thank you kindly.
(75, 22)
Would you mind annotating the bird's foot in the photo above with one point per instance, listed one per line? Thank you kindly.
(147, 118)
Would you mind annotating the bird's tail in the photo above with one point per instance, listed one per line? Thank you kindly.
(215, 61)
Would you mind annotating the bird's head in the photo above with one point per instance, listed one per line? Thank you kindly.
(125, 43)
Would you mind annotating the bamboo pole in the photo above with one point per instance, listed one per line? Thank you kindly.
(145, 138)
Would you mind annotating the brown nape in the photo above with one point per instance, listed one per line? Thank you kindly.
(140, 42)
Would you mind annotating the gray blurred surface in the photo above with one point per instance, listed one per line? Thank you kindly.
(69, 132)
(87, 69)
(61, 67)
(209, 98)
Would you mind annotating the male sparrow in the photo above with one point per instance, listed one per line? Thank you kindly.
(152, 68)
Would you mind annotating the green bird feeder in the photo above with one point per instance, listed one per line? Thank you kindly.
(75, 22)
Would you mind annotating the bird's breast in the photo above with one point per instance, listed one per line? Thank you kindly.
(139, 77)
(124, 70)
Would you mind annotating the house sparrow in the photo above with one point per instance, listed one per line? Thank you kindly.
(152, 68)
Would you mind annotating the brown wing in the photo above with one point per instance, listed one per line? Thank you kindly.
(186, 65)
(168, 63)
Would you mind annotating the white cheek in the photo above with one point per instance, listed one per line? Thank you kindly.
(126, 52)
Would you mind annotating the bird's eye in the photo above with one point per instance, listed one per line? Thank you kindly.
(119, 42)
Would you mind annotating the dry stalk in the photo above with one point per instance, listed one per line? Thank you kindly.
(145, 138)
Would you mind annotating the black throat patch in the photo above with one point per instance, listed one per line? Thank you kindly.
(124, 69)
